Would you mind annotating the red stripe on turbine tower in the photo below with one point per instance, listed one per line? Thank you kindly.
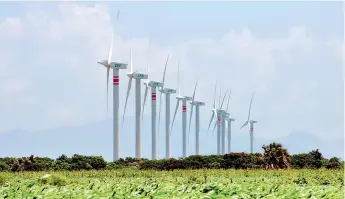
(153, 96)
(251, 129)
(184, 108)
(116, 80)
(219, 119)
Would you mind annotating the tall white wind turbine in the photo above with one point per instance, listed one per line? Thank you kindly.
(167, 92)
(197, 105)
(153, 85)
(229, 120)
(138, 77)
(184, 100)
(219, 124)
(251, 122)
(116, 67)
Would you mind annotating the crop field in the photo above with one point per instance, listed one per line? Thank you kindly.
(133, 183)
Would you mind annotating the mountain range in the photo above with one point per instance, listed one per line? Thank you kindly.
(96, 139)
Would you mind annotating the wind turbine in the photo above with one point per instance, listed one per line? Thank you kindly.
(197, 105)
(219, 123)
(184, 100)
(116, 67)
(153, 85)
(251, 122)
(137, 76)
(229, 120)
(167, 92)
(223, 128)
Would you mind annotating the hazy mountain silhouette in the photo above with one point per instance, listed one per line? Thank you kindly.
(96, 139)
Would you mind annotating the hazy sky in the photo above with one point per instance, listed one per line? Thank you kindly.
(289, 53)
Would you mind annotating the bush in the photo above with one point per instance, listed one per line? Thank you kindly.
(53, 180)
(333, 163)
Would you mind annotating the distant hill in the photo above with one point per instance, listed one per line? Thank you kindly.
(96, 139)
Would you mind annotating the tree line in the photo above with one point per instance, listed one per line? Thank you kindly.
(274, 156)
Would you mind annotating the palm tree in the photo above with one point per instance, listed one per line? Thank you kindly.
(276, 157)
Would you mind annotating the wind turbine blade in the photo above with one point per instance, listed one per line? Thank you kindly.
(227, 106)
(250, 106)
(221, 106)
(178, 77)
(215, 124)
(148, 57)
(190, 120)
(215, 92)
(244, 124)
(145, 96)
(131, 60)
(165, 68)
(118, 13)
(111, 49)
(220, 94)
(210, 121)
(172, 124)
(191, 112)
(128, 90)
(159, 113)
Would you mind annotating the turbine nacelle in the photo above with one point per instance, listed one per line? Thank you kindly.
(154, 84)
(196, 103)
(168, 90)
(231, 119)
(117, 65)
(137, 75)
(184, 98)
(253, 122)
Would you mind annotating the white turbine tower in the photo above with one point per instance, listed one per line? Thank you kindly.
(167, 92)
(116, 81)
(197, 105)
(229, 120)
(218, 124)
(251, 122)
(137, 76)
(153, 85)
(184, 100)
(223, 127)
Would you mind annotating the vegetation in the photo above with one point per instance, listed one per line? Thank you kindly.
(201, 183)
(275, 156)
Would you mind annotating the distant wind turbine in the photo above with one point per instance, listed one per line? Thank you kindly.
(251, 122)
(137, 76)
(184, 100)
(167, 92)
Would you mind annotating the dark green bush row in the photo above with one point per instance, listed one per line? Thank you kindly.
(311, 160)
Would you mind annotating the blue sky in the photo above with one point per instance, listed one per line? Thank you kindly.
(289, 53)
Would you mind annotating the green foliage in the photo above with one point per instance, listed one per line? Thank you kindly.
(333, 163)
(274, 156)
(54, 180)
(200, 183)
(311, 160)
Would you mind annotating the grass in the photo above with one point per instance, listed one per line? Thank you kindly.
(132, 183)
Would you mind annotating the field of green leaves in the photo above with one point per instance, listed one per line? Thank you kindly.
(133, 183)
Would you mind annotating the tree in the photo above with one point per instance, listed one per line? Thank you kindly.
(276, 157)
(333, 163)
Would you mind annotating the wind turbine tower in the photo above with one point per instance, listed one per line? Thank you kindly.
(153, 85)
(197, 105)
(229, 120)
(138, 77)
(184, 100)
(167, 92)
(116, 83)
(251, 123)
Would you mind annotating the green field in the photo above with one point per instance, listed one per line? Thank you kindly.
(133, 183)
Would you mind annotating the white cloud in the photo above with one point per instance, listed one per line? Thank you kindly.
(63, 47)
